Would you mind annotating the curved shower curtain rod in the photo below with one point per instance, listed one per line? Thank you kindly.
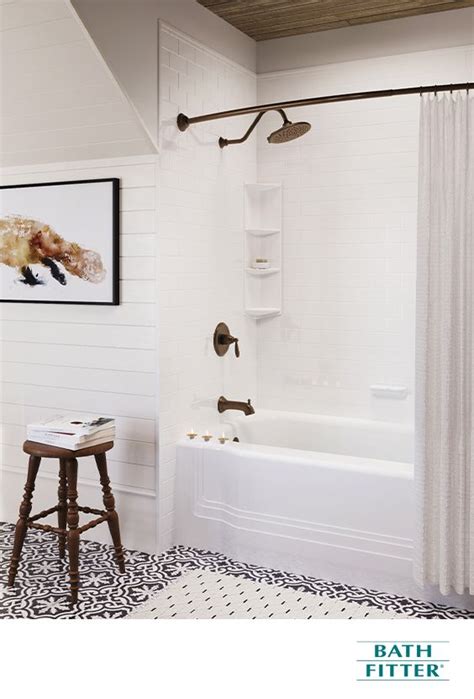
(184, 121)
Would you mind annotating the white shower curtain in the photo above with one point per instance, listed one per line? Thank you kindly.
(444, 467)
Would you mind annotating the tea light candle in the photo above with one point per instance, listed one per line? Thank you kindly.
(191, 434)
(223, 439)
(206, 437)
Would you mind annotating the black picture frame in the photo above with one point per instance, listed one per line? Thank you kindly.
(115, 232)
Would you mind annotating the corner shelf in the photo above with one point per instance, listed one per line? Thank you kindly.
(263, 312)
(262, 272)
(262, 232)
(262, 206)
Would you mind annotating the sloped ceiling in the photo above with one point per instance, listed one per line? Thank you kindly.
(272, 19)
(58, 99)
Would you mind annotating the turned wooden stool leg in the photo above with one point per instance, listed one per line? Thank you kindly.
(72, 521)
(62, 507)
(25, 511)
(109, 504)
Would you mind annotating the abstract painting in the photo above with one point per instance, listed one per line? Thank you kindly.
(59, 242)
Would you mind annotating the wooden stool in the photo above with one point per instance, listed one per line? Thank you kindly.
(68, 529)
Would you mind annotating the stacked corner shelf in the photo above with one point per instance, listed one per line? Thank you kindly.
(263, 287)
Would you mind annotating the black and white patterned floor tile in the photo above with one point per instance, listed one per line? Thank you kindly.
(191, 559)
(41, 588)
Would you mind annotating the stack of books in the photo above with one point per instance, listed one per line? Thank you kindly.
(74, 433)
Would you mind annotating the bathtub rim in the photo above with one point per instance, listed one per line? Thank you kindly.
(342, 462)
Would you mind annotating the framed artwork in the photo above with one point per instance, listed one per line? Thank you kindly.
(59, 242)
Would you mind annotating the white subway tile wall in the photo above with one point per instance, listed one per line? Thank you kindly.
(200, 256)
(349, 236)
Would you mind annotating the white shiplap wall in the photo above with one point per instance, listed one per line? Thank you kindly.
(84, 358)
(59, 101)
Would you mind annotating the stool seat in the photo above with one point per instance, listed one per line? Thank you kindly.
(46, 451)
(67, 509)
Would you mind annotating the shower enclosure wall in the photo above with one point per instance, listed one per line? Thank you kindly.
(201, 252)
(349, 252)
(322, 478)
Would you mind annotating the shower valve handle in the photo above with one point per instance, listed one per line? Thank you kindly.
(223, 340)
(229, 340)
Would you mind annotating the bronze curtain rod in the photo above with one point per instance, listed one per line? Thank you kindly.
(184, 121)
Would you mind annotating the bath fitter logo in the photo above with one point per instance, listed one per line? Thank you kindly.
(402, 661)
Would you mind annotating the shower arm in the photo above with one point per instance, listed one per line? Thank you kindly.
(184, 121)
(223, 142)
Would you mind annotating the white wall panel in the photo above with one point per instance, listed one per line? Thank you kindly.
(79, 356)
(64, 359)
(20, 14)
(48, 60)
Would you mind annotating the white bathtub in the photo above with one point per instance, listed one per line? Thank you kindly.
(323, 496)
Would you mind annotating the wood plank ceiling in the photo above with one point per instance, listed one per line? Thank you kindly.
(270, 19)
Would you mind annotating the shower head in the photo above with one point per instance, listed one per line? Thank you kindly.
(289, 131)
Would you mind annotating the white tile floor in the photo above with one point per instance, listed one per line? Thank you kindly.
(200, 594)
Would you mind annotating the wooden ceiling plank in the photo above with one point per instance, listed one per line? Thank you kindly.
(345, 11)
(372, 9)
(267, 19)
(384, 17)
(265, 7)
(265, 36)
(301, 19)
(281, 19)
